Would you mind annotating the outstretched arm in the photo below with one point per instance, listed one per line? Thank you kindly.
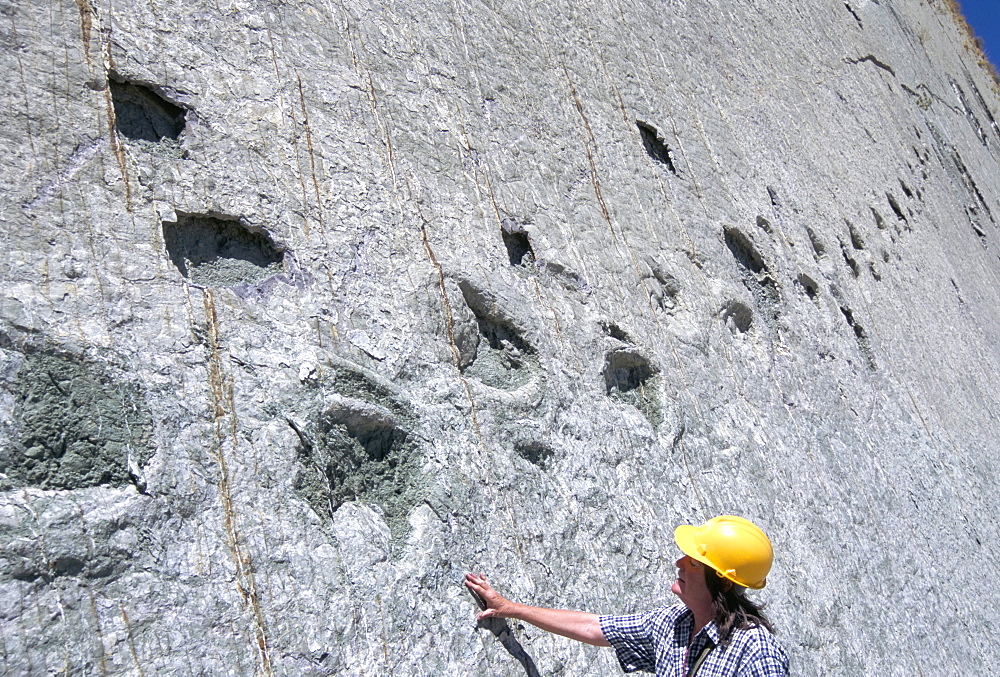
(578, 625)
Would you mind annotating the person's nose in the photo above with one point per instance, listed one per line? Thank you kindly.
(680, 561)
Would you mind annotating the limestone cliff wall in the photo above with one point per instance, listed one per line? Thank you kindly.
(310, 307)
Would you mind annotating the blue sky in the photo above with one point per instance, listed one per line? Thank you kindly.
(984, 17)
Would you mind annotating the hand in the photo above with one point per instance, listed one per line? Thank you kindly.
(496, 605)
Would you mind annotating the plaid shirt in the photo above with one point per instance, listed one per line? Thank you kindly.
(657, 641)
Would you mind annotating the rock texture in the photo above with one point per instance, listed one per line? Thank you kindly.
(310, 307)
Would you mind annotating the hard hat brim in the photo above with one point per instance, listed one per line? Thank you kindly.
(684, 537)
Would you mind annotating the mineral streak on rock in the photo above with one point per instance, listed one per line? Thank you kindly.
(513, 288)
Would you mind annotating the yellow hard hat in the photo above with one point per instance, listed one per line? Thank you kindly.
(733, 546)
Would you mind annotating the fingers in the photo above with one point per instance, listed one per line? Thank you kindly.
(477, 582)
(496, 606)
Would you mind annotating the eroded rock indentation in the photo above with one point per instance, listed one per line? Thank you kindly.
(84, 545)
(515, 240)
(849, 260)
(656, 146)
(503, 359)
(860, 337)
(220, 252)
(143, 115)
(534, 452)
(772, 195)
(809, 286)
(737, 317)
(616, 332)
(74, 425)
(567, 278)
(363, 450)
(819, 249)
(630, 378)
(897, 210)
(744, 252)
(856, 240)
(662, 287)
(879, 221)
(754, 274)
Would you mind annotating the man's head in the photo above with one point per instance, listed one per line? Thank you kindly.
(722, 558)
(735, 547)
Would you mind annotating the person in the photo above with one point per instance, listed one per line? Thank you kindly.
(716, 631)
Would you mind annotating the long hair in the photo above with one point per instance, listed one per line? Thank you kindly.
(731, 608)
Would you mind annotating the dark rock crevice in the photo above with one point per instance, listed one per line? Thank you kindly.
(631, 379)
(214, 251)
(503, 358)
(656, 146)
(141, 114)
(361, 447)
(754, 274)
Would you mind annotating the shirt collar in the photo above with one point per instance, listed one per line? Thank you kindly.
(712, 630)
(686, 621)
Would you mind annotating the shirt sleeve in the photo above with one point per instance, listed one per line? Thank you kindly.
(632, 639)
(767, 659)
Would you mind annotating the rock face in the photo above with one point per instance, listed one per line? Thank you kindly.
(310, 308)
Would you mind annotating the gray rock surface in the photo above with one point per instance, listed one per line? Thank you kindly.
(505, 287)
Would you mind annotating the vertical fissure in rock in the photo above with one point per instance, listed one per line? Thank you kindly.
(970, 183)
(854, 14)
